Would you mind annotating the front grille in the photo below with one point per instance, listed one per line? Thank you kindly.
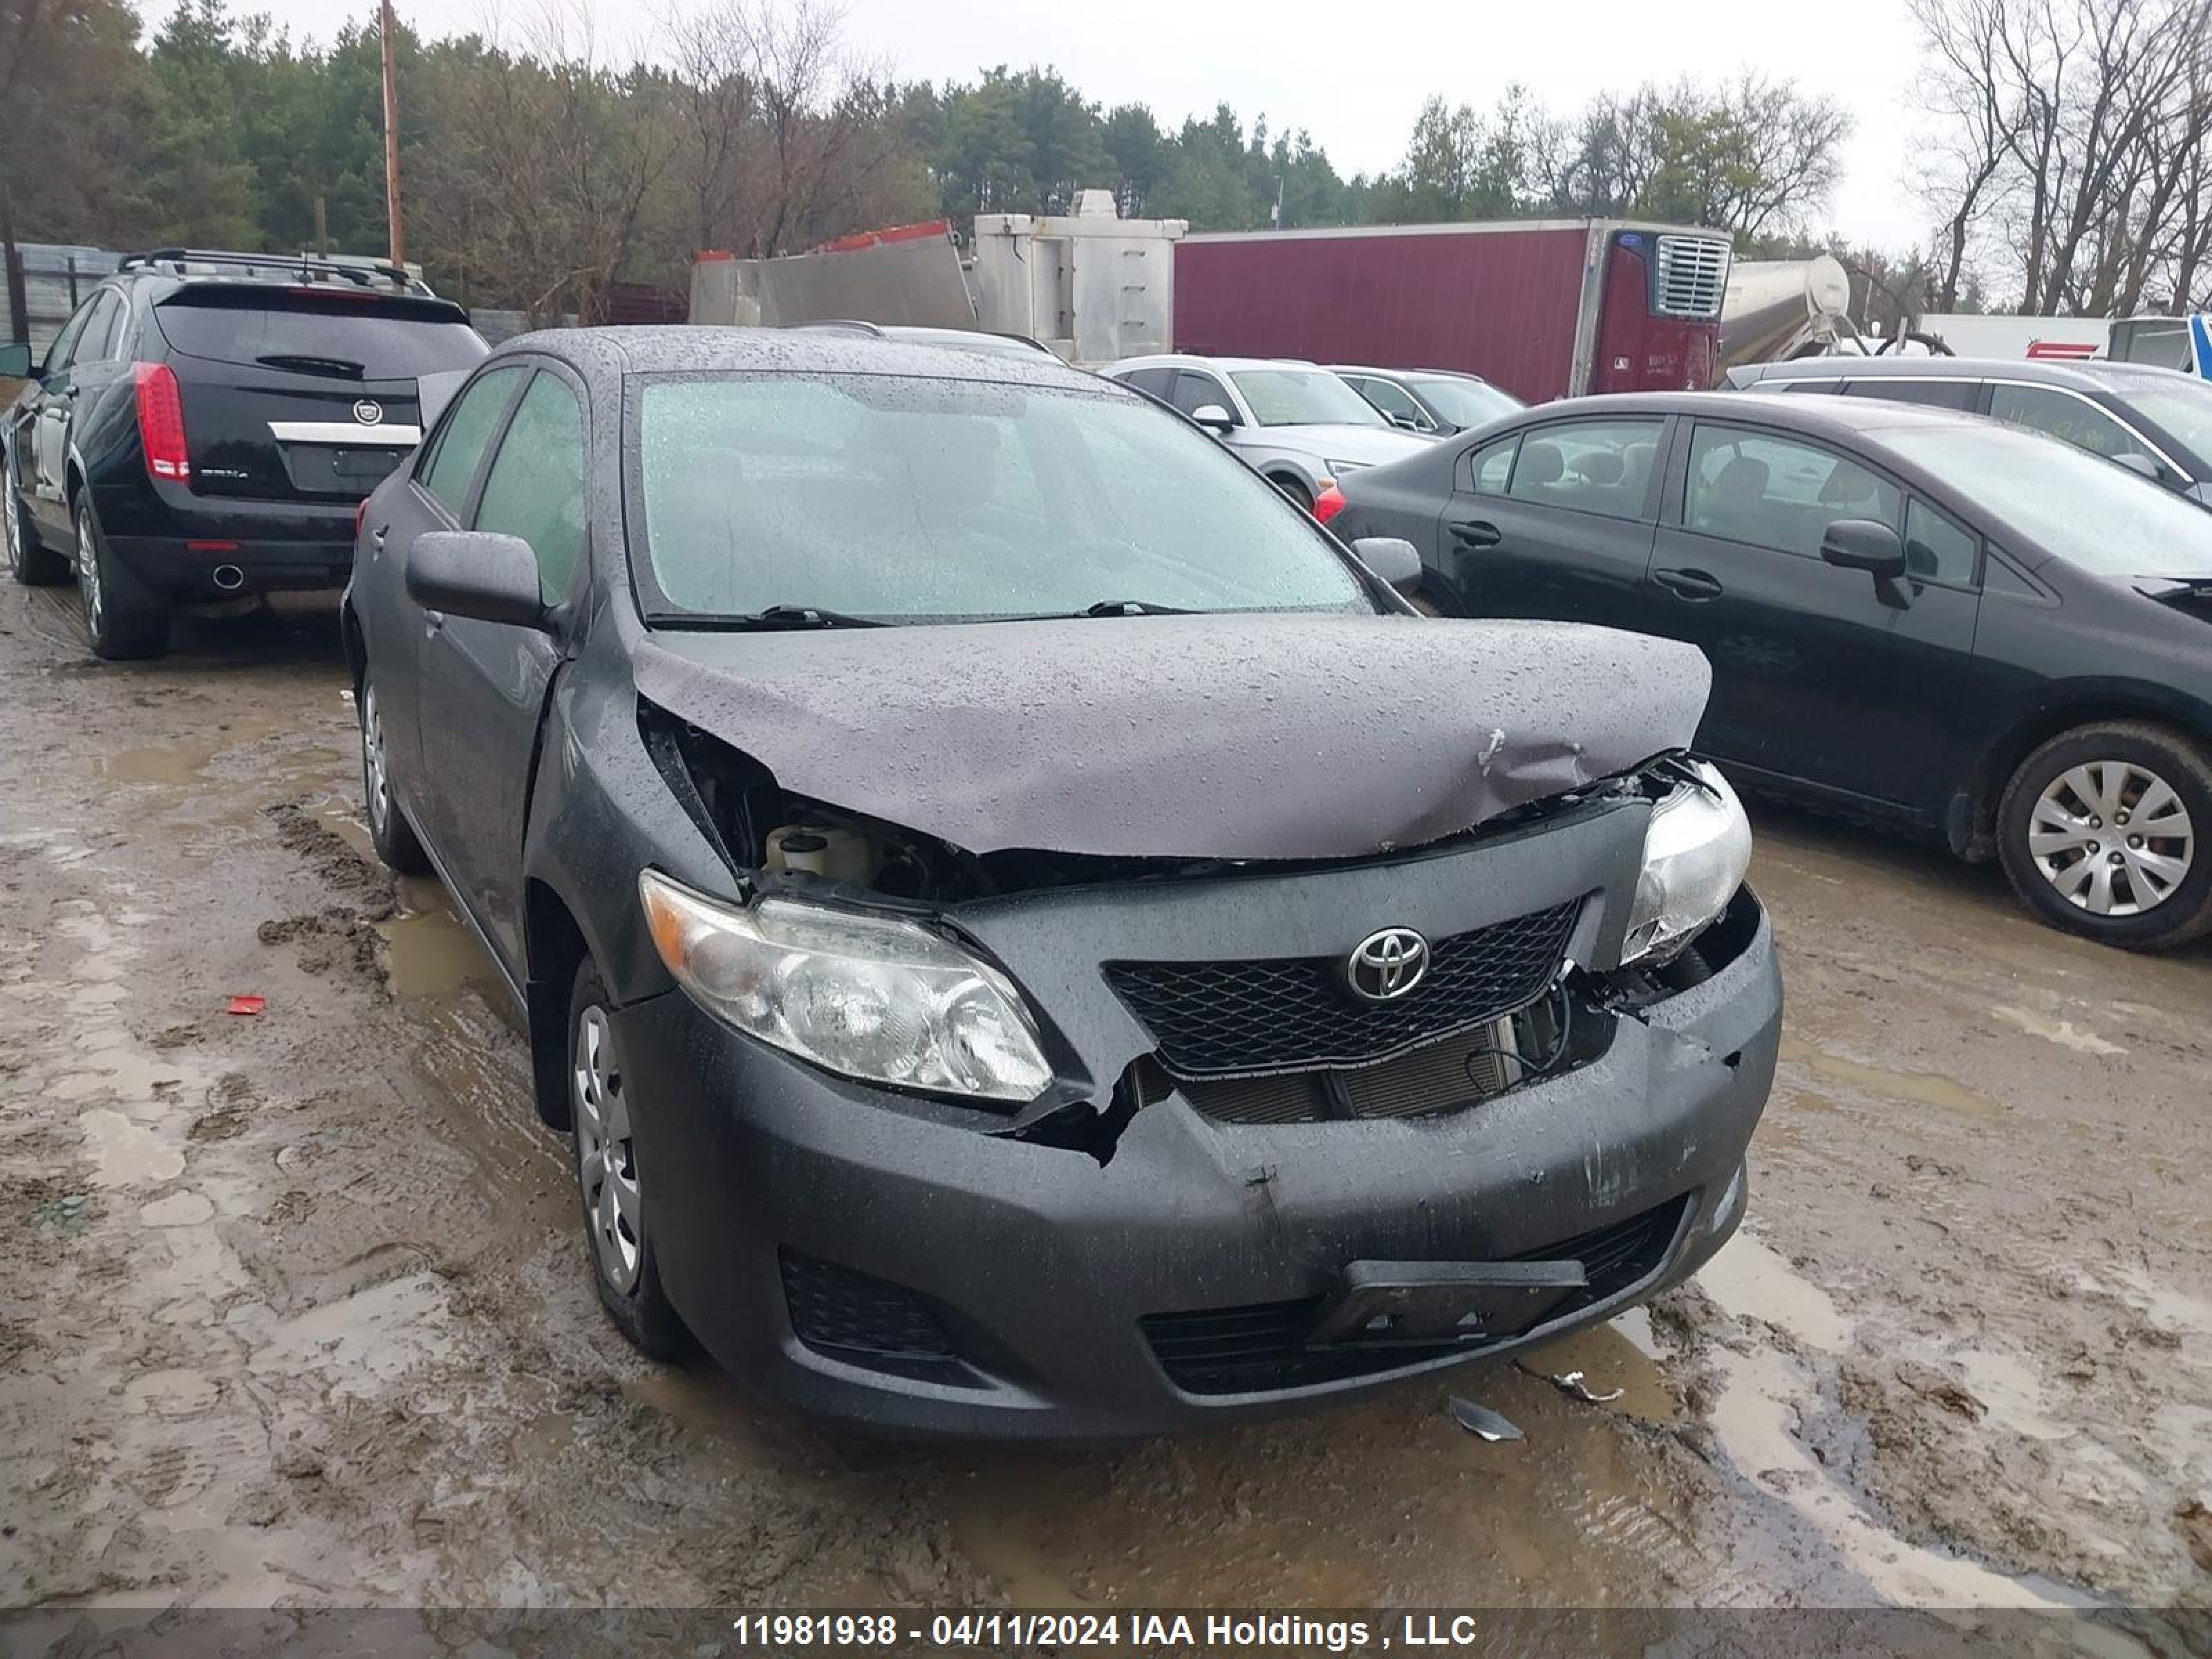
(1440, 1077)
(865, 1322)
(1219, 1019)
(1262, 1349)
(1692, 275)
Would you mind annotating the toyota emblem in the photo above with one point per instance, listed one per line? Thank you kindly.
(368, 411)
(1386, 964)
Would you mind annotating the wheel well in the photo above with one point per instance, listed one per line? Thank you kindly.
(556, 947)
(356, 649)
(1987, 786)
(73, 481)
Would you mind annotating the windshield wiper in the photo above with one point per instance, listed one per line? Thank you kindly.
(800, 616)
(1130, 608)
(343, 368)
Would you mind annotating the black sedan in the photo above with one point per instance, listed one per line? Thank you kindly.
(1913, 617)
(1004, 968)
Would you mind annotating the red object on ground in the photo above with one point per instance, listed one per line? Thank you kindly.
(246, 1005)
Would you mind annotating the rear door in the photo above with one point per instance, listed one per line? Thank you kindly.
(1819, 675)
(47, 428)
(305, 394)
(1553, 520)
(483, 684)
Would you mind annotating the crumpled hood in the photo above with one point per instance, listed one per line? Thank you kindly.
(1286, 736)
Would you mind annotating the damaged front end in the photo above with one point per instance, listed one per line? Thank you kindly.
(1050, 997)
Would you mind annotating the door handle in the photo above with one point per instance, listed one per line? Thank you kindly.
(1476, 532)
(1695, 586)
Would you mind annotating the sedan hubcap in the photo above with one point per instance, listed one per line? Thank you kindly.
(607, 1162)
(88, 572)
(372, 760)
(2112, 837)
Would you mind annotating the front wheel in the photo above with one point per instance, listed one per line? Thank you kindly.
(625, 1268)
(120, 623)
(387, 822)
(2103, 831)
(1301, 497)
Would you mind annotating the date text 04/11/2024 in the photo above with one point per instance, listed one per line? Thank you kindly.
(1163, 1631)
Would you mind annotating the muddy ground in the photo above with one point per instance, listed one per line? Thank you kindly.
(298, 1312)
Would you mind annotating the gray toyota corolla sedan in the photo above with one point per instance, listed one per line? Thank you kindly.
(1027, 933)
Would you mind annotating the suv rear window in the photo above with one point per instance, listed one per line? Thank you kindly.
(346, 336)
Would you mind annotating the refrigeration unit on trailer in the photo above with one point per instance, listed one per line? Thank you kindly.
(1547, 308)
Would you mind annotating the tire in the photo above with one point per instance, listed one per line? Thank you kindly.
(395, 838)
(2079, 832)
(120, 622)
(618, 1238)
(1301, 497)
(30, 562)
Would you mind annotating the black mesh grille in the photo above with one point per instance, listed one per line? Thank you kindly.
(866, 1321)
(1437, 1077)
(1214, 1018)
(1263, 1347)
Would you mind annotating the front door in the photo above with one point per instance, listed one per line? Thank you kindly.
(1821, 674)
(483, 684)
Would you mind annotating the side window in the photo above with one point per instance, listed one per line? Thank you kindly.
(1494, 465)
(535, 488)
(2064, 415)
(1778, 492)
(63, 348)
(451, 461)
(1395, 403)
(1936, 549)
(1592, 466)
(1194, 392)
(1153, 382)
(97, 344)
(1935, 394)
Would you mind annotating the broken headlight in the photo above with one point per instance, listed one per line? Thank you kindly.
(1696, 850)
(868, 997)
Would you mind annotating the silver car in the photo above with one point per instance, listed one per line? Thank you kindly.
(1434, 402)
(1297, 424)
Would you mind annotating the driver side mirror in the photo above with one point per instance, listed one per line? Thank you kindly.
(479, 573)
(1391, 559)
(1213, 418)
(1865, 544)
(16, 360)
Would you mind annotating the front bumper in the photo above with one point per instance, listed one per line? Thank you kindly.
(1040, 1267)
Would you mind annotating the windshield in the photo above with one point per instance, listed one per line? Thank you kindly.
(895, 498)
(1303, 397)
(2093, 513)
(2183, 407)
(1466, 403)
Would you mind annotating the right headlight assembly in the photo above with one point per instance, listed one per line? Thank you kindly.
(1696, 850)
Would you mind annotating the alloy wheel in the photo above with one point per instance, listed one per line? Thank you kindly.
(2112, 837)
(11, 510)
(87, 572)
(374, 775)
(606, 1159)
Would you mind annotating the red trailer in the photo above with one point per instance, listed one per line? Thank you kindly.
(1546, 308)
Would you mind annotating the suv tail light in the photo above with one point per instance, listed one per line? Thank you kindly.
(161, 422)
(1328, 504)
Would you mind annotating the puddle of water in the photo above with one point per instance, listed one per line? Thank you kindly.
(180, 765)
(1751, 1281)
(181, 1209)
(1922, 1088)
(375, 1335)
(1761, 1395)
(2013, 1394)
(2063, 1032)
(176, 1392)
(123, 1153)
(1610, 1358)
(431, 953)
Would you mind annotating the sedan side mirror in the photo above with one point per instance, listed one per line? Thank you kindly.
(1213, 418)
(475, 572)
(1391, 559)
(1865, 544)
(16, 360)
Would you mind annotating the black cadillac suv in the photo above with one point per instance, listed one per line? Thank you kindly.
(205, 425)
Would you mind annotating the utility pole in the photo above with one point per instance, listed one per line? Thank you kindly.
(387, 29)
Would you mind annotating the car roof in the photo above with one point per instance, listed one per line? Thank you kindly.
(679, 348)
(2083, 374)
(1190, 360)
(1403, 373)
(1811, 412)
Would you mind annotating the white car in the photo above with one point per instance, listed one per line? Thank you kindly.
(1295, 422)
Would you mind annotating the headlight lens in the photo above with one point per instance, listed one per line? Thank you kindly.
(1696, 850)
(1340, 468)
(869, 997)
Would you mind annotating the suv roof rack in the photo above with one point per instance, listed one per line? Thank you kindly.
(309, 267)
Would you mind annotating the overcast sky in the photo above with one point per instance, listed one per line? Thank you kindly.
(1352, 75)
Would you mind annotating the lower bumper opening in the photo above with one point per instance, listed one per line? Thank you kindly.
(1263, 1348)
(861, 1320)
